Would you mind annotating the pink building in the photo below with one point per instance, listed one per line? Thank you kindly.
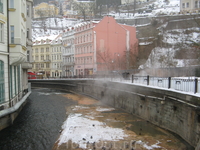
(103, 46)
(84, 49)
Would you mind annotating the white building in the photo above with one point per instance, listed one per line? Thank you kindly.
(13, 55)
(4, 57)
(190, 6)
(68, 52)
(56, 57)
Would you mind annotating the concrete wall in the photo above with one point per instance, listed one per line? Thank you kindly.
(177, 112)
(8, 115)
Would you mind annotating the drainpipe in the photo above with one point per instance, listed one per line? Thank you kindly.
(8, 50)
(95, 54)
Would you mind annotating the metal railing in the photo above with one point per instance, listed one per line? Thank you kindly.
(183, 84)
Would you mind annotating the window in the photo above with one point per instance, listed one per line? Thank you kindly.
(1, 6)
(36, 57)
(47, 57)
(47, 49)
(11, 83)
(188, 5)
(47, 65)
(19, 80)
(27, 10)
(36, 50)
(42, 57)
(15, 79)
(27, 33)
(2, 88)
(42, 65)
(1, 32)
(11, 4)
(28, 55)
(42, 50)
(37, 66)
(12, 34)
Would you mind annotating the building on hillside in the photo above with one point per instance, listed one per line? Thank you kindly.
(104, 46)
(47, 57)
(13, 55)
(68, 38)
(115, 45)
(56, 57)
(45, 10)
(189, 6)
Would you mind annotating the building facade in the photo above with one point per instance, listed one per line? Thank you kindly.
(56, 56)
(47, 56)
(84, 49)
(13, 55)
(113, 44)
(189, 6)
(102, 46)
(45, 10)
(68, 52)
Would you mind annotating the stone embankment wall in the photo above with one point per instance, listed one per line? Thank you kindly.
(177, 112)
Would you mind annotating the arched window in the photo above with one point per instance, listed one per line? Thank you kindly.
(2, 86)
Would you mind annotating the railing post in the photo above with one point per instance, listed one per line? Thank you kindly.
(148, 80)
(169, 82)
(195, 85)
(132, 78)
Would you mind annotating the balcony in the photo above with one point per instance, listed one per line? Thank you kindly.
(68, 54)
(67, 45)
(17, 54)
(26, 65)
(47, 60)
(68, 64)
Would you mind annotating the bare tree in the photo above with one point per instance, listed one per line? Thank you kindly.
(104, 60)
(131, 57)
(84, 8)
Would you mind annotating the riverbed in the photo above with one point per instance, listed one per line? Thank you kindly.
(58, 120)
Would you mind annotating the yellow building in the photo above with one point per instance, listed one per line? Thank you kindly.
(45, 10)
(47, 56)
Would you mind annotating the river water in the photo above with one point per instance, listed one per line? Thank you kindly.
(39, 124)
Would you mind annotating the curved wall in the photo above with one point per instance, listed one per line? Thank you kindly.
(177, 112)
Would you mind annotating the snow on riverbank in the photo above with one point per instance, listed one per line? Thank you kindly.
(82, 130)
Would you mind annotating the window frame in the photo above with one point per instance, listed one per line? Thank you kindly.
(2, 82)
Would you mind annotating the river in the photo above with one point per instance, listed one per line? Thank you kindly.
(39, 125)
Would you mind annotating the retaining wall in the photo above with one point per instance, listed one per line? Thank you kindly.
(177, 112)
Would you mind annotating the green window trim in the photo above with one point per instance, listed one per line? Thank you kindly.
(15, 79)
(2, 84)
(18, 72)
(11, 83)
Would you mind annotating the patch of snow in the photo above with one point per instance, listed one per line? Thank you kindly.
(79, 107)
(79, 130)
(104, 109)
(147, 146)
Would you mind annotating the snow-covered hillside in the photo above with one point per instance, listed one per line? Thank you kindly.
(51, 26)
(161, 55)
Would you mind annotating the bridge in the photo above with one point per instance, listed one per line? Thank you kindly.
(170, 103)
